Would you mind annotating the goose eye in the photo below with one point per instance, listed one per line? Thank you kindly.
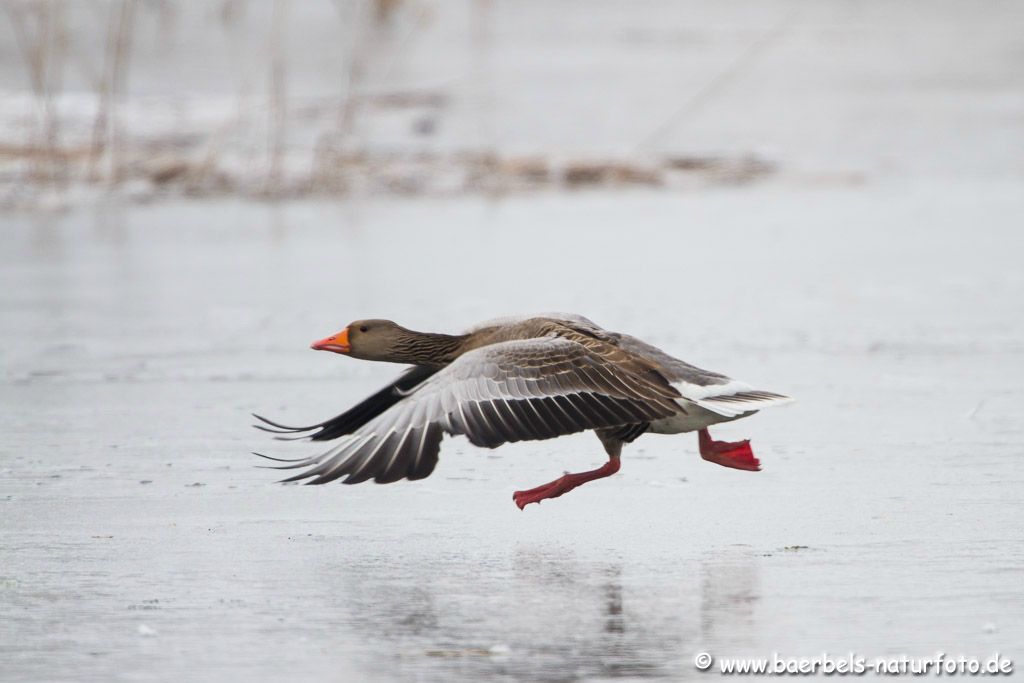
(362, 328)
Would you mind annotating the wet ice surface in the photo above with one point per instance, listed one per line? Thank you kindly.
(139, 543)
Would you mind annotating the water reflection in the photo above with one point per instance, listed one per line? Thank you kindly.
(45, 237)
(542, 614)
(730, 593)
(110, 221)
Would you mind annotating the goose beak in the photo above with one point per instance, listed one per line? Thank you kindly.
(337, 343)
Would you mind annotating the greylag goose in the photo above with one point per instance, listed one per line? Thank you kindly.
(516, 379)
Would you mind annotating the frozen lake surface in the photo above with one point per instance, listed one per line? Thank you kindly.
(140, 543)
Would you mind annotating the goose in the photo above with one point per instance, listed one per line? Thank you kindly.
(517, 379)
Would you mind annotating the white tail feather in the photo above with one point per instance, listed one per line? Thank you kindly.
(734, 404)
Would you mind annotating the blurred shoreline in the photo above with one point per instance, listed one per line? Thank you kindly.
(280, 99)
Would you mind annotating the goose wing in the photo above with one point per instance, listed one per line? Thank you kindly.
(511, 391)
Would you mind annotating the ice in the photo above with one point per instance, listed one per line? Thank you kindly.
(887, 518)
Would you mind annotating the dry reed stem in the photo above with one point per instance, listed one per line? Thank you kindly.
(278, 110)
(43, 52)
(106, 135)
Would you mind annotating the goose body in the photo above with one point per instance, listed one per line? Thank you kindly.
(515, 379)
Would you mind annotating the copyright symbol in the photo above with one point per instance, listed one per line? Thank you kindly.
(703, 661)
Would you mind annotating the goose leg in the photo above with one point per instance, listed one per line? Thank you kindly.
(610, 439)
(565, 483)
(735, 454)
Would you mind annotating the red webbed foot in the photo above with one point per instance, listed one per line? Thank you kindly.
(564, 484)
(735, 454)
(535, 495)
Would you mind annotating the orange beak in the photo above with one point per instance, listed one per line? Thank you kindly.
(337, 343)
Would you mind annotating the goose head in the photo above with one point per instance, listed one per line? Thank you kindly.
(365, 339)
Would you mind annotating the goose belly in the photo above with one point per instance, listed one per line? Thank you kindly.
(693, 419)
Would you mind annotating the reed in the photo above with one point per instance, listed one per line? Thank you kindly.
(41, 40)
